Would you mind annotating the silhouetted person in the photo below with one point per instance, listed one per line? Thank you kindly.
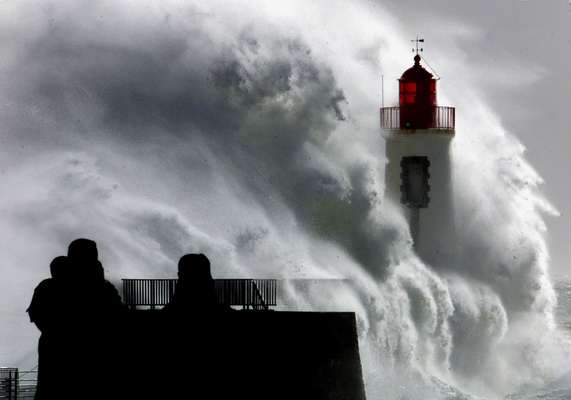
(96, 308)
(47, 311)
(77, 311)
(43, 308)
(197, 337)
(195, 287)
(94, 293)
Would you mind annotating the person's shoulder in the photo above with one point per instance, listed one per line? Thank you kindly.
(45, 284)
(110, 291)
(109, 286)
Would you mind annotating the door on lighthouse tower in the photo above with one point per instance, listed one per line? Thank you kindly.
(414, 181)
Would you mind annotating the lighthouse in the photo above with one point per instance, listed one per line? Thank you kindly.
(418, 134)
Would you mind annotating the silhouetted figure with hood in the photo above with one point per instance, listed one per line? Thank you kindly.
(48, 311)
(199, 334)
(96, 297)
(43, 309)
(77, 311)
(194, 290)
(96, 308)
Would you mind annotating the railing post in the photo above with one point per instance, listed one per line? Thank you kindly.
(152, 293)
(171, 290)
(12, 383)
(243, 287)
(9, 385)
(16, 383)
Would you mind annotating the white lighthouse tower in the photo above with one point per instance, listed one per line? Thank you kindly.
(418, 134)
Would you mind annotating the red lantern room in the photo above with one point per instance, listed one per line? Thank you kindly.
(418, 108)
(417, 97)
(417, 86)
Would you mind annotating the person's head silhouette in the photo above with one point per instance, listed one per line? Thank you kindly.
(82, 254)
(82, 250)
(59, 268)
(194, 268)
(195, 289)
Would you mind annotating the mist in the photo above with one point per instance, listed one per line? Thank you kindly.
(249, 131)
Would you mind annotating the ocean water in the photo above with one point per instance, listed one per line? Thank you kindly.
(563, 310)
(559, 389)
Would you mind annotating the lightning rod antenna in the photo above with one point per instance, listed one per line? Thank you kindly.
(382, 90)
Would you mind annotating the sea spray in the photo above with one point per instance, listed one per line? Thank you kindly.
(167, 128)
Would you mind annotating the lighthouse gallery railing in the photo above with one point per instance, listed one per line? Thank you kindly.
(442, 118)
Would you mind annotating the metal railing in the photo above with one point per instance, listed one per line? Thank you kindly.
(8, 383)
(17, 385)
(259, 294)
(441, 117)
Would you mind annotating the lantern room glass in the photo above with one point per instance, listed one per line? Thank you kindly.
(407, 93)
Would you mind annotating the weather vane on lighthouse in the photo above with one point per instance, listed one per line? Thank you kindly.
(417, 41)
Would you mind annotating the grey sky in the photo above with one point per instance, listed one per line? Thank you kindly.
(534, 35)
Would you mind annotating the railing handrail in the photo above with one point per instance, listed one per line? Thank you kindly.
(443, 118)
(255, 293)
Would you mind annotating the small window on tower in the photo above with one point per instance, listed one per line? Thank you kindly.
(414, 181)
